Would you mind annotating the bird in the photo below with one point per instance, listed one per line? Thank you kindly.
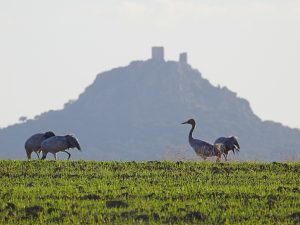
(202, 148)
(33, 143)
(59, 144)
(229, 144)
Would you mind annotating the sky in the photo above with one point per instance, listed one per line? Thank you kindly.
(50, 51)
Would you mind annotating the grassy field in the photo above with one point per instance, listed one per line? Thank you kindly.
(83, 192)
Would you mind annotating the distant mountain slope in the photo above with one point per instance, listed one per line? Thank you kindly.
(134, 113)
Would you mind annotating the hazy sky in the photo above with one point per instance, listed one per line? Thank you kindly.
(51, 50)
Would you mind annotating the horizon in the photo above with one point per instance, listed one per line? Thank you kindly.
(48, 45)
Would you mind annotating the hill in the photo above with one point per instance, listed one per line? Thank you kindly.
(134, 113)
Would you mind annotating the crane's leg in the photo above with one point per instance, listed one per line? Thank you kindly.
(68, 154)
(38, 155)
(28, 154)
(225, 156)
(55, 156)
(44, 155)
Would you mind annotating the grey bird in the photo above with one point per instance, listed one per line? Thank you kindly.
(202, 148)
(33, 143)
(229, 144)
(59, 144)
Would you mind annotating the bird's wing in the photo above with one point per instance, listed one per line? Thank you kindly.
(220, 140)
(55, 144)
(34, 142)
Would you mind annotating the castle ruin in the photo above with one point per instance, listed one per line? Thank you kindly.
(159, 55)
(183, 58)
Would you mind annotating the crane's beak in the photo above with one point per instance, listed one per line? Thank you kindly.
(185, 122)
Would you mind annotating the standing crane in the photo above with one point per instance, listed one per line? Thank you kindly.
(202, 148)
(33, 143)
(229, 144)
(59, 144)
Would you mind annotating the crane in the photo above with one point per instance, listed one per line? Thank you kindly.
(229, 144)
(33, 143)
(202, 148)
(59, 144)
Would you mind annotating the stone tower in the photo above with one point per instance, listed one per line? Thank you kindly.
(183, 58)
(158, 53)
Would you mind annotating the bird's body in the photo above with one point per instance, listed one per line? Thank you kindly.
(33, 143)
(59, 144)
(229, 144)
(202, 148)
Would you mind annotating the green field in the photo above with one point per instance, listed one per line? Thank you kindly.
(85, 192)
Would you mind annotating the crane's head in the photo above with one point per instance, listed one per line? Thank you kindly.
(73, 142)
(190, 121)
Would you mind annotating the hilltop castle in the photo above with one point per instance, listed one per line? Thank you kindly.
(159, 55)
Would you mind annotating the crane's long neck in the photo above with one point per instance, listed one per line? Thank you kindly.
(191, 132)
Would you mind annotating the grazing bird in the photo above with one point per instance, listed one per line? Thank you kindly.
(229, 144)
(59, 144)
(33, 144)
(202, 148)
